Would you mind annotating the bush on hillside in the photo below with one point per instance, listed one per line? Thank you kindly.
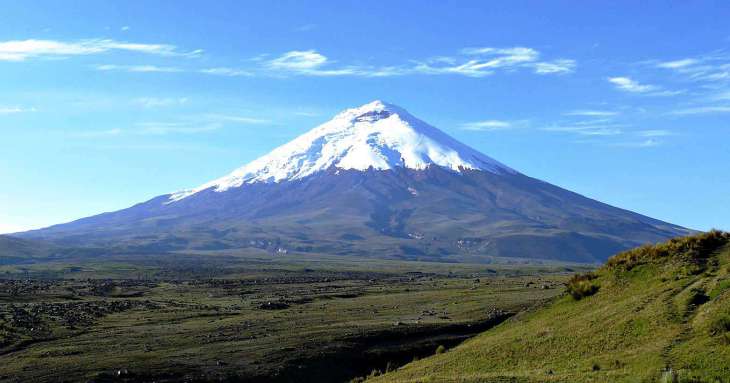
(695, 248)
(582, 285)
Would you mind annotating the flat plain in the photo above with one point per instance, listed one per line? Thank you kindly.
(249, 318)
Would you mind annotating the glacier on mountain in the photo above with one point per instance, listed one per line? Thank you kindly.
(376, 135)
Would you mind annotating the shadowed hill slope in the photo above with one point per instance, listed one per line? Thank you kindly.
(432, 214)
(655, 313)
(13, 247)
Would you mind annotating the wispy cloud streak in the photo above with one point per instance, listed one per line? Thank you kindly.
(139, 68)
(493, 125)
(591, 113)
(629, 85)
(15, 110)
(471, 62)
(712, 109)
(22, 50)
(225, 71)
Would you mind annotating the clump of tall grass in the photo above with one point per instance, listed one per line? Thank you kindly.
(582, 285)
(695, 248)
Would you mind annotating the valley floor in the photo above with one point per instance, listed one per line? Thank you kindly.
(259, 320)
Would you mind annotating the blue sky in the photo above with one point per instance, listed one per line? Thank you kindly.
(106, 104)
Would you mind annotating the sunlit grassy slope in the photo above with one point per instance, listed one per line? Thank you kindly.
(660, 313)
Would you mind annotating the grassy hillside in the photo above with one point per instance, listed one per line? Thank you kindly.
(655, 313)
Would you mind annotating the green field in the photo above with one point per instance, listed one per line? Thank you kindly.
(248, 318)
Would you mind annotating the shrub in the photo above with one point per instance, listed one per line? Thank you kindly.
(440, 349)
(582, 285)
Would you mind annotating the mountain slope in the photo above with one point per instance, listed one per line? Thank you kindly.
(17, 248)
(374, 181)
(656, 313)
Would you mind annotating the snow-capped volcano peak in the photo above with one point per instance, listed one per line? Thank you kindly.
(376, 135)
(374, 111)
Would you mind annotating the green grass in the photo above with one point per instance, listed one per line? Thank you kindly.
(662, 313)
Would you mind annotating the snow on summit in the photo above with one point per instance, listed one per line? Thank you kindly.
(378, 135)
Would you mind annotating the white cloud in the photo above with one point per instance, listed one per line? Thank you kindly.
(587, 128)
(471, 62)
(224, 71)
(555, 67)
(591, 113)
(655, 133)
(711, 109)
(6, 56)
(480, 62)
(492, 125)
(21, 50)
(198, 147)
(666, 93)
(218, 71)
(504, 55)
(298, 61)
(194, 125)
(629, 85)
(718, 73)
(165, 128)
(125, 28)
(305, 113)
(311, 63)
(677, 63)
(159, 102)
(485, 61)
(139, 68)
(15, 110)
(238, 119)
(306, 27)
(649, 143)
(99, 133)
(714, 67)
(722, 96)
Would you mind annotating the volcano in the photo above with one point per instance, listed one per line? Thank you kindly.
(374, 181)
